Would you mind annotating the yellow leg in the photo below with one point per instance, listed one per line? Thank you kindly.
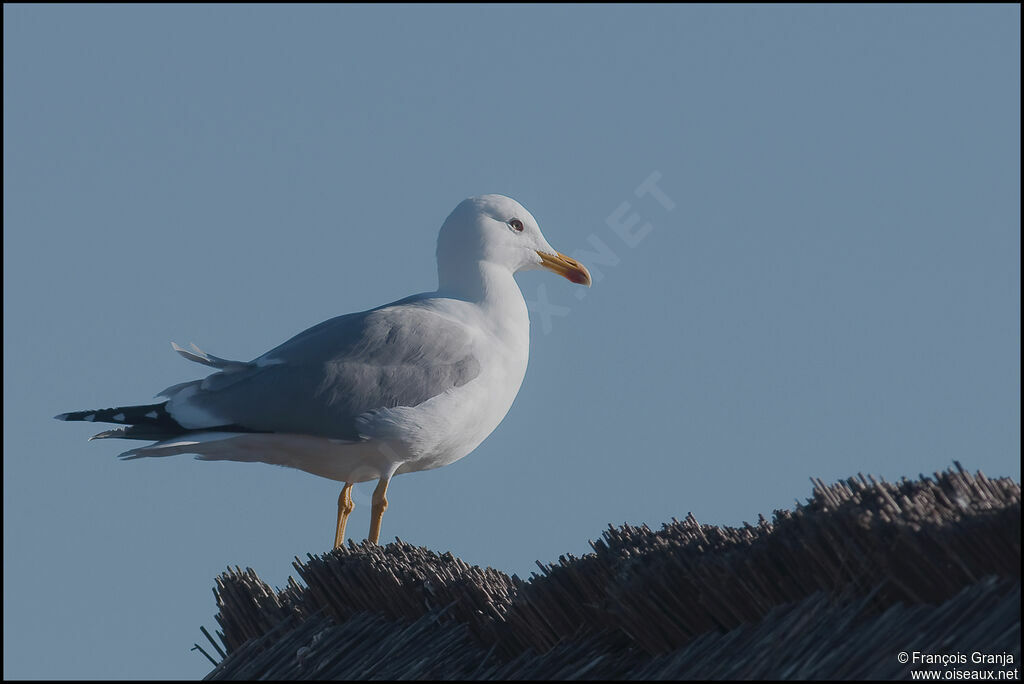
(380, 504)
(345, 507)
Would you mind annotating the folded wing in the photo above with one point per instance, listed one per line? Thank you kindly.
(321, 380)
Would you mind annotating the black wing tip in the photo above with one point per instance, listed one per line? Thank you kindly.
(88, 416)
(108, 434)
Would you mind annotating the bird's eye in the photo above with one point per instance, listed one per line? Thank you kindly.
(516, 225)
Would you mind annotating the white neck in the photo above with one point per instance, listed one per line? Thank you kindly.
(491, 287)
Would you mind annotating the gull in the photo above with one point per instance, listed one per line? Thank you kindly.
(412, 385)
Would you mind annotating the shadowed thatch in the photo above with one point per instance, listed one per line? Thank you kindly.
(833, 589)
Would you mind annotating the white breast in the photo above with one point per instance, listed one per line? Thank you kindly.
(449, 426)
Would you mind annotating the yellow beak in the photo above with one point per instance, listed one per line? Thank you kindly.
(566, 267)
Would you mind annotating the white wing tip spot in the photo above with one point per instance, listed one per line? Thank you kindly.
(151, 414)
(119, 417)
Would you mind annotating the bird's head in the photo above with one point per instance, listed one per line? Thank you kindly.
(498, 230)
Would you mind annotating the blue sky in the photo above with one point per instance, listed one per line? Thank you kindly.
(827, 281)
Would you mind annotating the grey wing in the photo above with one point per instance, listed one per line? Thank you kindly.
(322, 379)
